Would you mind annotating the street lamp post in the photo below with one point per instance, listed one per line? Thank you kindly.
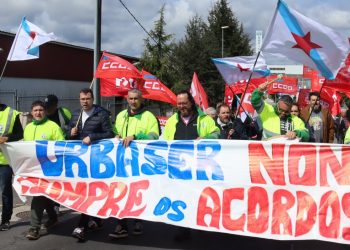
(222, 39)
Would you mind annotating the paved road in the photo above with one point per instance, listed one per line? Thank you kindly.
(156, 236)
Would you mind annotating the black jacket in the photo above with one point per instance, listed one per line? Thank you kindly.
(238, 127)
(98, 126)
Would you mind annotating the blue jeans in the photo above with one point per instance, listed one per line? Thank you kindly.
(6, 192)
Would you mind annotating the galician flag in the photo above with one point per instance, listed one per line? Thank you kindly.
(294, 36)
(234, 69)
(27, 41)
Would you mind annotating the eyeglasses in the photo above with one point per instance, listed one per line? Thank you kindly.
(287, 112)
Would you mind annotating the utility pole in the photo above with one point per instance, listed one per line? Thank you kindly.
(222, 39)
(97, 49)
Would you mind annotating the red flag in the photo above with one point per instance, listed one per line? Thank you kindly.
(239, 88)
(117, 76)
(286, 85)
(198, 93)
(120, 86)
(156, 90)
(329, 99)
(332, 97)
(111, 66)
(344, 73)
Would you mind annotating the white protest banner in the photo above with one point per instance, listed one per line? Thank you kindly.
(284, 191)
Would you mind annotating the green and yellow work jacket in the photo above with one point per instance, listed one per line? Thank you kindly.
(271, 121)
(143, 125)
(43, 130)
(7, 121)
(206, 127)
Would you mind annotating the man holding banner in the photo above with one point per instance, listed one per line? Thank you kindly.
(41, 128)
(10, 130)
(134, 123)
(91, 124)
(189, 123)
(277, 120)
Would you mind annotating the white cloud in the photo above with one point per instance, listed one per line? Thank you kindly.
(73, 21)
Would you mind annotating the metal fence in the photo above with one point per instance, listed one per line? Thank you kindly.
(23, 103)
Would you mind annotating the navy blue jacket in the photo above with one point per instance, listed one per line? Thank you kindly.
(98, 126)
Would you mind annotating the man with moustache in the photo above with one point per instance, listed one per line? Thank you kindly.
(230, 127)
(319, 119)
(276, 119)
(189, 123)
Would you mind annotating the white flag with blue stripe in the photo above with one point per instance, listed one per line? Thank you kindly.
(299, 38)
(234, 69)
(27, 41)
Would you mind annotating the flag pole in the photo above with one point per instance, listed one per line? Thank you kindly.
(239, 101)
(11, 50)
(246, 87)
(81, 111)
(3, 70)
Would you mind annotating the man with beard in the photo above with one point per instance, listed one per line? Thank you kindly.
(319, 119)
(189, 123)
(276, 120)
(230, 128)
(134, 123)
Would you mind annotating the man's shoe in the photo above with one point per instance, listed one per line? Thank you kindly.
(93, 225)
(79, 233)
(50, 223)
(57, 210)
(33, 234)
(47, 225)
(5, 226)
(119, 233)
(138, 228)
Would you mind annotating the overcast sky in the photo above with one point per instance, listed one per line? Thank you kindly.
(73, 21)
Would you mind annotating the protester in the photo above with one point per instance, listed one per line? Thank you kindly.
(276, 120)
(134, 123)
(341, 124)
(41, 129)
(295, 110)
(189, 123)
(59, 115)
(347, 135)
(10, 130)
(230, 128)
(319, 118)
(90, 124)
(251, 125)
(211, 112)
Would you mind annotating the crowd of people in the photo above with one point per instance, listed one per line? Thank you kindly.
(91, 123)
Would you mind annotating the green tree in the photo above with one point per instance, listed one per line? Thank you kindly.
(202, 42)
(158, 47)
(190, 54)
